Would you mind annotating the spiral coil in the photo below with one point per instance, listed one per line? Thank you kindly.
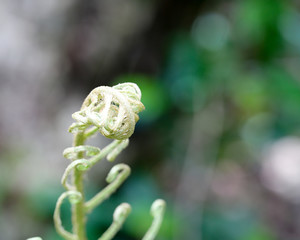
(112, 110)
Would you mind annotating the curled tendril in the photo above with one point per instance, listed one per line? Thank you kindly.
(115, 178)
(72, 152)
(80, 164)
(118, 173)
(74, 197)
(113, 110)
(119, 217)
(157, 211)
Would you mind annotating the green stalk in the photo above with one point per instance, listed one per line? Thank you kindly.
(78, 214)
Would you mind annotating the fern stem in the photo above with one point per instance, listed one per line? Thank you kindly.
(78, 214)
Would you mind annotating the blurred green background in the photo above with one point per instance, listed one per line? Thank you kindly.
(219, 139)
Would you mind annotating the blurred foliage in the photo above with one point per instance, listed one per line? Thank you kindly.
(154, 97)
(218, 225)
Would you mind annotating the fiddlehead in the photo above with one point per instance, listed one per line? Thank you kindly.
(112, 111)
